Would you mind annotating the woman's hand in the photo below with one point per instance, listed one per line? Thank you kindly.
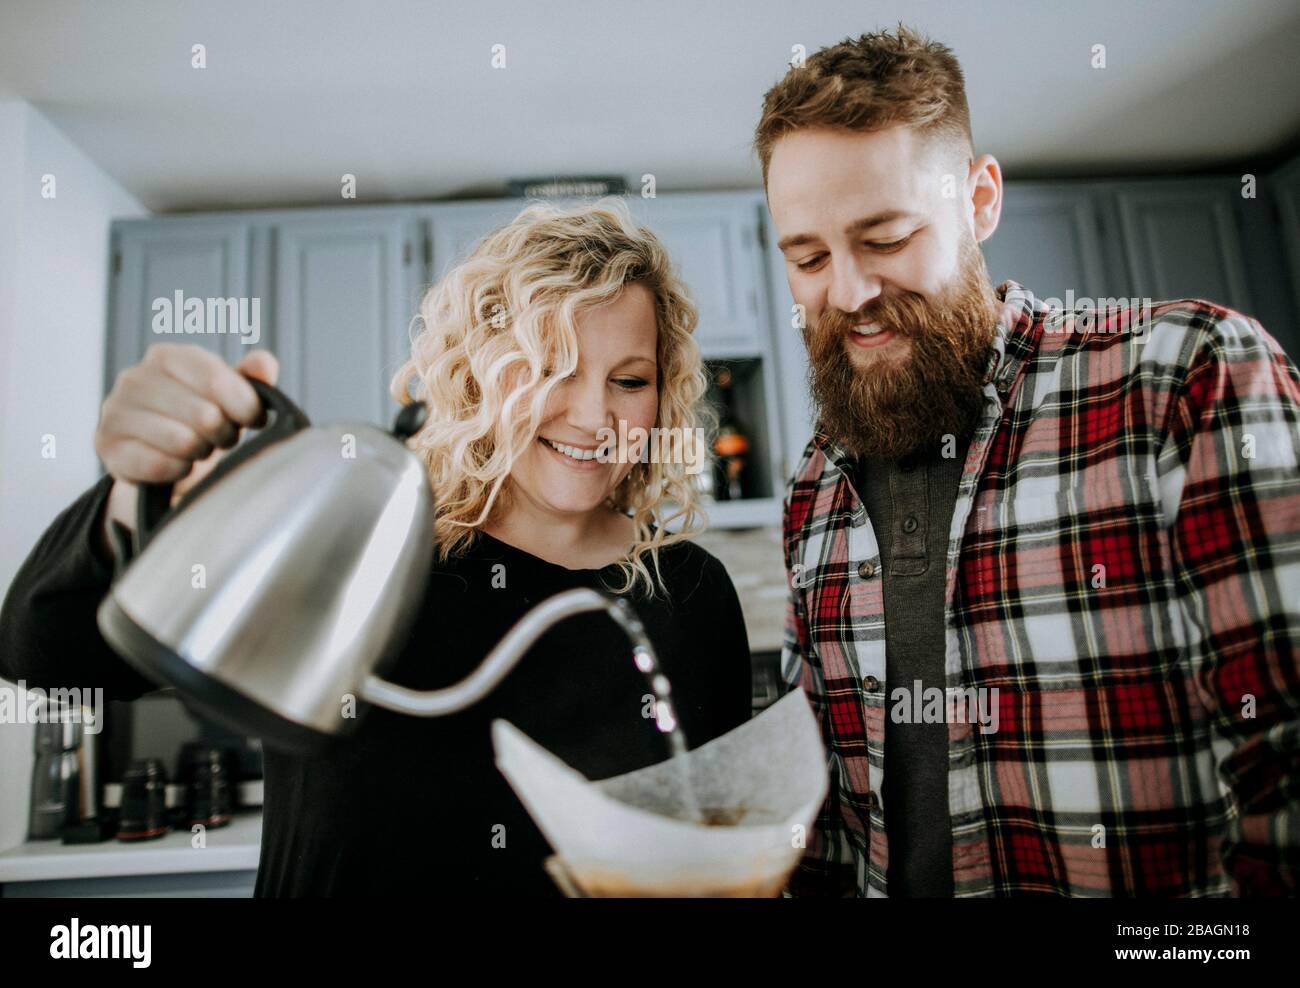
(172, 417)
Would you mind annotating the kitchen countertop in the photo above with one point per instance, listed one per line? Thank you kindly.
(232, 848)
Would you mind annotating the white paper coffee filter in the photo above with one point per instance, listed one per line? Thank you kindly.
(770, 772)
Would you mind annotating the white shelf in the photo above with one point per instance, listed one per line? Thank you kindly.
(753, 512)
(231, 848)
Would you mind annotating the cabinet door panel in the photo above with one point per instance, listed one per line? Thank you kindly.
(1047, 241)
(790, 361)
(200, 259)
(457, 227)
(713, 242)
(1183, 242)
(1286, 189)
(715, 247)
(340, 320)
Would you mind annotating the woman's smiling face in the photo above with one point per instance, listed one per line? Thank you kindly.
(616, 381)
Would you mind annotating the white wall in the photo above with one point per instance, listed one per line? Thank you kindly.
(53, 308)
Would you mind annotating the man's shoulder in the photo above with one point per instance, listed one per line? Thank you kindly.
(1139, 322)
(1107, 339)
(1191, 329)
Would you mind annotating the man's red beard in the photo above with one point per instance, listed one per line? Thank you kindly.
(904, 403)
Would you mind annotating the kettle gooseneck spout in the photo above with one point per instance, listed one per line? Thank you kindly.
(508, 652)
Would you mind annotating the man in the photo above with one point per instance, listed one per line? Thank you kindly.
(1045, 567)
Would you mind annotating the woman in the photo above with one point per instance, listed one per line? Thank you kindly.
(557, 326)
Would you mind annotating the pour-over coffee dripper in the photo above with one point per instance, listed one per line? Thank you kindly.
(761, 784)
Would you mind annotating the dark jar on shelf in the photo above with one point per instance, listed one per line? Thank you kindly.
(143, 814)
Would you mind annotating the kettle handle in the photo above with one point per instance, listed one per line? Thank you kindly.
(153, 507)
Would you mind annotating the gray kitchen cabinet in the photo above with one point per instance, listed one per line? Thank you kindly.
(790, 355)
(714, 240)
(1048, 240)
(334, 290)
(711, 237)
(1284, 185)
(341, 312)
(339, 291)
(454, 228)
(200, 257)
(339, 287)
(1182, 240)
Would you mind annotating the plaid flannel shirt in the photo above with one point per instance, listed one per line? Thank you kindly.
(1122, 580)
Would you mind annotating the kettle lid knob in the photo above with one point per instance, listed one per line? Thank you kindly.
(410, 420)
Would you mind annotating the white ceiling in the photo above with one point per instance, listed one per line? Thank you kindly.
(402, 94)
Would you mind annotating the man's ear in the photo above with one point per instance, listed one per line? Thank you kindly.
(984, 181)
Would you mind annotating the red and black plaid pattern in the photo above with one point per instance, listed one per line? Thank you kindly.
(1123, 582)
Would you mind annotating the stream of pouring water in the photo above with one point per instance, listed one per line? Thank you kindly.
(665, 714)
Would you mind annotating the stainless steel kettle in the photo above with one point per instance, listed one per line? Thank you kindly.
(274, 594)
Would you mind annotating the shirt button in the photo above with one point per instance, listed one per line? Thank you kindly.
(872, 802)
(871, 684)
(866, 570)
(909, 524)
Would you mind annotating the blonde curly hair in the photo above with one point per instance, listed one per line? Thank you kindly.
(495, 326)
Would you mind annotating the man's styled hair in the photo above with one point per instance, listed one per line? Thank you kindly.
(879, 80)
